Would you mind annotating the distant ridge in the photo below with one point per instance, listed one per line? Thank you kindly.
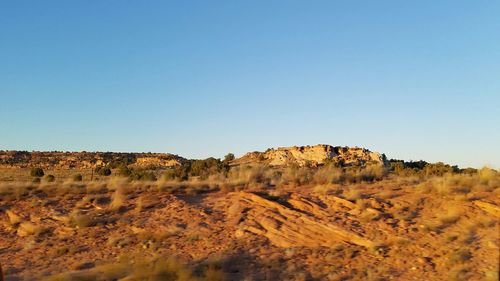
(82, 160)
(282, 156)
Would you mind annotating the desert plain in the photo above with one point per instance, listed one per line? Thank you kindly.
(294, 213)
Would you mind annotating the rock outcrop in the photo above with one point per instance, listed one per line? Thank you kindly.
(297, 222)
(314, 155)
(84, 160)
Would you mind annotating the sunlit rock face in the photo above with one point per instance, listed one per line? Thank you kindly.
(314, 155)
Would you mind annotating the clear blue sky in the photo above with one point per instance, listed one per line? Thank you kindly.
(413, 79)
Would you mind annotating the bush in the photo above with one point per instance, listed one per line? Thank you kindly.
(142, 175)
(198, 168)
(50, 178)
(103, 171)
(229, 157)
(328, 174)
(422, 168)
(179, 172)
(256, 175)
(77, 219)
(296, 175)
(78, 177)
(439, 169)
(207, 167)
(37, 172)
(124, 171)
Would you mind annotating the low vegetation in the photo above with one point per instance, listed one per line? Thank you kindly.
(37, 172)
(213, 220)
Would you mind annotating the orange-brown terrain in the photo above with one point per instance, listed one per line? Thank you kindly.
(300, 213)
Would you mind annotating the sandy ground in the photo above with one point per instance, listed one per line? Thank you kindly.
(387, 230)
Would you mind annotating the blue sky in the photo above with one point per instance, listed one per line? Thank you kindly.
(413, 79)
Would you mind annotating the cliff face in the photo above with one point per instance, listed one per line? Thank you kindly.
(314, 155)
(84, 160)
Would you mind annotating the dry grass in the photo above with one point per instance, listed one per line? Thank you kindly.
(459, 257)
(81, 220)
(328, 175)
(444, 219)
(451, 216)
(139, 268)
(14, 218)
(96, 203)
(352, 194)
(96, 187)
(28, 228)
(327, 189)
(117, 200)
(462, 186)
(121, 240)
(368, 214)
(491, 276)
(460, 273)
(406, 213)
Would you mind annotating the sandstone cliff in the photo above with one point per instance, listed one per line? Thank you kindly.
(314, 155)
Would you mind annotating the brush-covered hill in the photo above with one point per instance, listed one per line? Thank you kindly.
(84, 160)
(315, 155)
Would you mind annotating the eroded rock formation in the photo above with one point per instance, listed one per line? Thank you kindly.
(314, 155)
(297, 222)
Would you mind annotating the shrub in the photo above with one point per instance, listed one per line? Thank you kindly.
(169, 175)
(205, 168)
(422, 168)
(251, 175)
(439, 169)
(78, 177)
(124, 171)
(452, 184)
(179, 172)
(29, 228)
(14, 218)
(352, 194)
(229, 157)
(142, 175)
(328, 174)
(37, 172)
(296, 175)
(117, 200)
(50, 178)
(103, 171)
(486, 175)
(77, 219)
(459, 256)
(148, 176)
(451, 216)
(372, 173)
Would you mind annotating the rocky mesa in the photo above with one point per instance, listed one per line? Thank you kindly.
(315, 155)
